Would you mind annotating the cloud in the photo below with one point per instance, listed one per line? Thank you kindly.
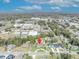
(29, 8)
(34, 7)
(75, 5)
(18, 10)
(7, 1)
(38, 1)
(56, 9)
(66, 3)
(45, 1)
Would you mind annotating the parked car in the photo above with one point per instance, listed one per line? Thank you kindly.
(10, 56)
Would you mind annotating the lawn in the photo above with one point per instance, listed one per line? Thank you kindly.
(21, 49)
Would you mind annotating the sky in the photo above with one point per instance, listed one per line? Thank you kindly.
(29, 6)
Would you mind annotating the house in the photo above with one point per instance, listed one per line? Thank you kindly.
(74, 47)
(55, 45)
(35, 18)
(22, 32)
(74, 24)
(2, 56)
(33, 33)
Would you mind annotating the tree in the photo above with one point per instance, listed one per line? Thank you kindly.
(66, 56)
(74, 41)
(32, 39)
(26, 56)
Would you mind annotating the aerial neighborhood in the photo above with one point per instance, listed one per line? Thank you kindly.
(45, 36)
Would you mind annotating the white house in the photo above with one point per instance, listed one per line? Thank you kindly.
(33, 33)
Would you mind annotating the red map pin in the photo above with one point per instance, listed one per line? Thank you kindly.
(39, 40)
